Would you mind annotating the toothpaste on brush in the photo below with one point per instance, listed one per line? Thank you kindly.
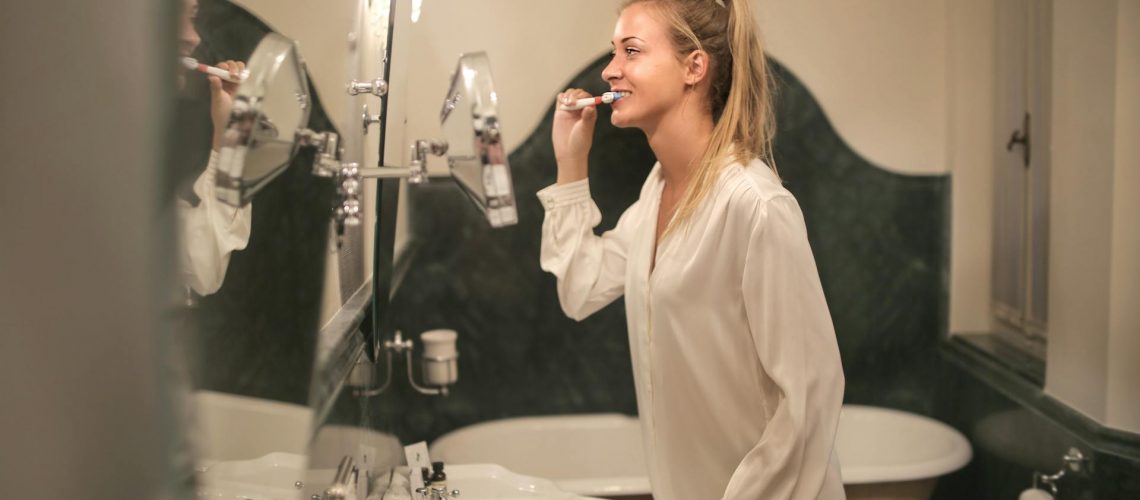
(192, 64)
(606, 98)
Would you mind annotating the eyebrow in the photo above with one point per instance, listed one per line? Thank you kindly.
(623, 40)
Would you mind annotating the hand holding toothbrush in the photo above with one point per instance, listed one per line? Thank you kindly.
(222, 96)
(573, 135)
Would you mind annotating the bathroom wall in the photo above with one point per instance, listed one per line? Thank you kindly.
(1015, 431)
(898, 95)
(1091, 329)
(1123, 409)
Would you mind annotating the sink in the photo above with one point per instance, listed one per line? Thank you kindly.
(274, 476)
(490, 481)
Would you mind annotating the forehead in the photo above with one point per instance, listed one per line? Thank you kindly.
(639, 20)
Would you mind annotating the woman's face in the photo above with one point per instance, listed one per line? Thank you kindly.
(188, 38)
(645, 64)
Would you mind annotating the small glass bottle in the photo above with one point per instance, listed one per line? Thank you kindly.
(438, 477)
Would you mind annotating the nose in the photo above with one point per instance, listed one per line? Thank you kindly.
(188, 38)
(612, 71)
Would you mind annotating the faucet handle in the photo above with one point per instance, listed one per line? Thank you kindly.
(377, 87)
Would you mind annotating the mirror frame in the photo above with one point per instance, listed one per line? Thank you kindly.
(472, 84)
(241, 134)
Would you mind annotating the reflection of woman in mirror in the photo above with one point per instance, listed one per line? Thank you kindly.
(737, 369)
(210, 230)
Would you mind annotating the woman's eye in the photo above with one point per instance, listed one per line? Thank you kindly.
(629, 51)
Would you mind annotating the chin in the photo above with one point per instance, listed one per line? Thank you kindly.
(619, 120)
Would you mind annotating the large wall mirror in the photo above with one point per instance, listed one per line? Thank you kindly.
(288, 211)
(263, 265)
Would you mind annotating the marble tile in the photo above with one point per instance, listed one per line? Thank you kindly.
(1015, 430)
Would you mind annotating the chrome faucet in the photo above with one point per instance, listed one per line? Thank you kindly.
(436, 493)
(340, 489)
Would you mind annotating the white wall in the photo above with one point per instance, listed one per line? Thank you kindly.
(1123, 409)
(970, 154)
(878, 67)
(534, 48)
(1084, 89)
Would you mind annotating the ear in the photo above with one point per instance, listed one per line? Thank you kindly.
(696, 67)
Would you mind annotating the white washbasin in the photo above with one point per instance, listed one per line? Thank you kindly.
(271, 477)
(490, 481)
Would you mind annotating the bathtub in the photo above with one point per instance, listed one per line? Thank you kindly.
(884, 454)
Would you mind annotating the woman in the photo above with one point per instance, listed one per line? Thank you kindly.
(210, 230)
(738, 376)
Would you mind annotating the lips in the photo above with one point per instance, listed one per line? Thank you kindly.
(624, 95)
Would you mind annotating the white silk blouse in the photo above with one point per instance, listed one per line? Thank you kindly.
(210, 232)
(736, 366)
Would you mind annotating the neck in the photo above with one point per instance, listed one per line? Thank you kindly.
(678, 140)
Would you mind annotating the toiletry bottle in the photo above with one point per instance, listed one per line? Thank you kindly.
(438, 478)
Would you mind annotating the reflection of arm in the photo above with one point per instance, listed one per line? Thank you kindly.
(590, 268)
(209, 233)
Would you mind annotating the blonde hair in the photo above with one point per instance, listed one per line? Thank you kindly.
(741, 90)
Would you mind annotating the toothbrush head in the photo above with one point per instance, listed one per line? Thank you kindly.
(189, 62)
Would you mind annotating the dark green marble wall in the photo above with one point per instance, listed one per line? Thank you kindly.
(1015, 430)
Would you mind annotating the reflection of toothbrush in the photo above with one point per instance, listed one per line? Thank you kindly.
(193, 64)
(606, 98)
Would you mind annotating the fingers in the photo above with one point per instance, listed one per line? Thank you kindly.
(589, 114)
(569, 96)
(236, 69)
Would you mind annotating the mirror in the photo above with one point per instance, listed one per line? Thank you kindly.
(254, 244)
(470, 122)
(270, 108)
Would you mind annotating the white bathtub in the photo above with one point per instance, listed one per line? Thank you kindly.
(883, 453)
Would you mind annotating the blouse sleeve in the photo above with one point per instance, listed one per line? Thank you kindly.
(210, 232)
(790, 324)
(590, 268)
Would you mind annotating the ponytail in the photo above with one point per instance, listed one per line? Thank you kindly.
(741, 90)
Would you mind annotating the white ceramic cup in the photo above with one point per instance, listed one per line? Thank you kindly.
(441, 363)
